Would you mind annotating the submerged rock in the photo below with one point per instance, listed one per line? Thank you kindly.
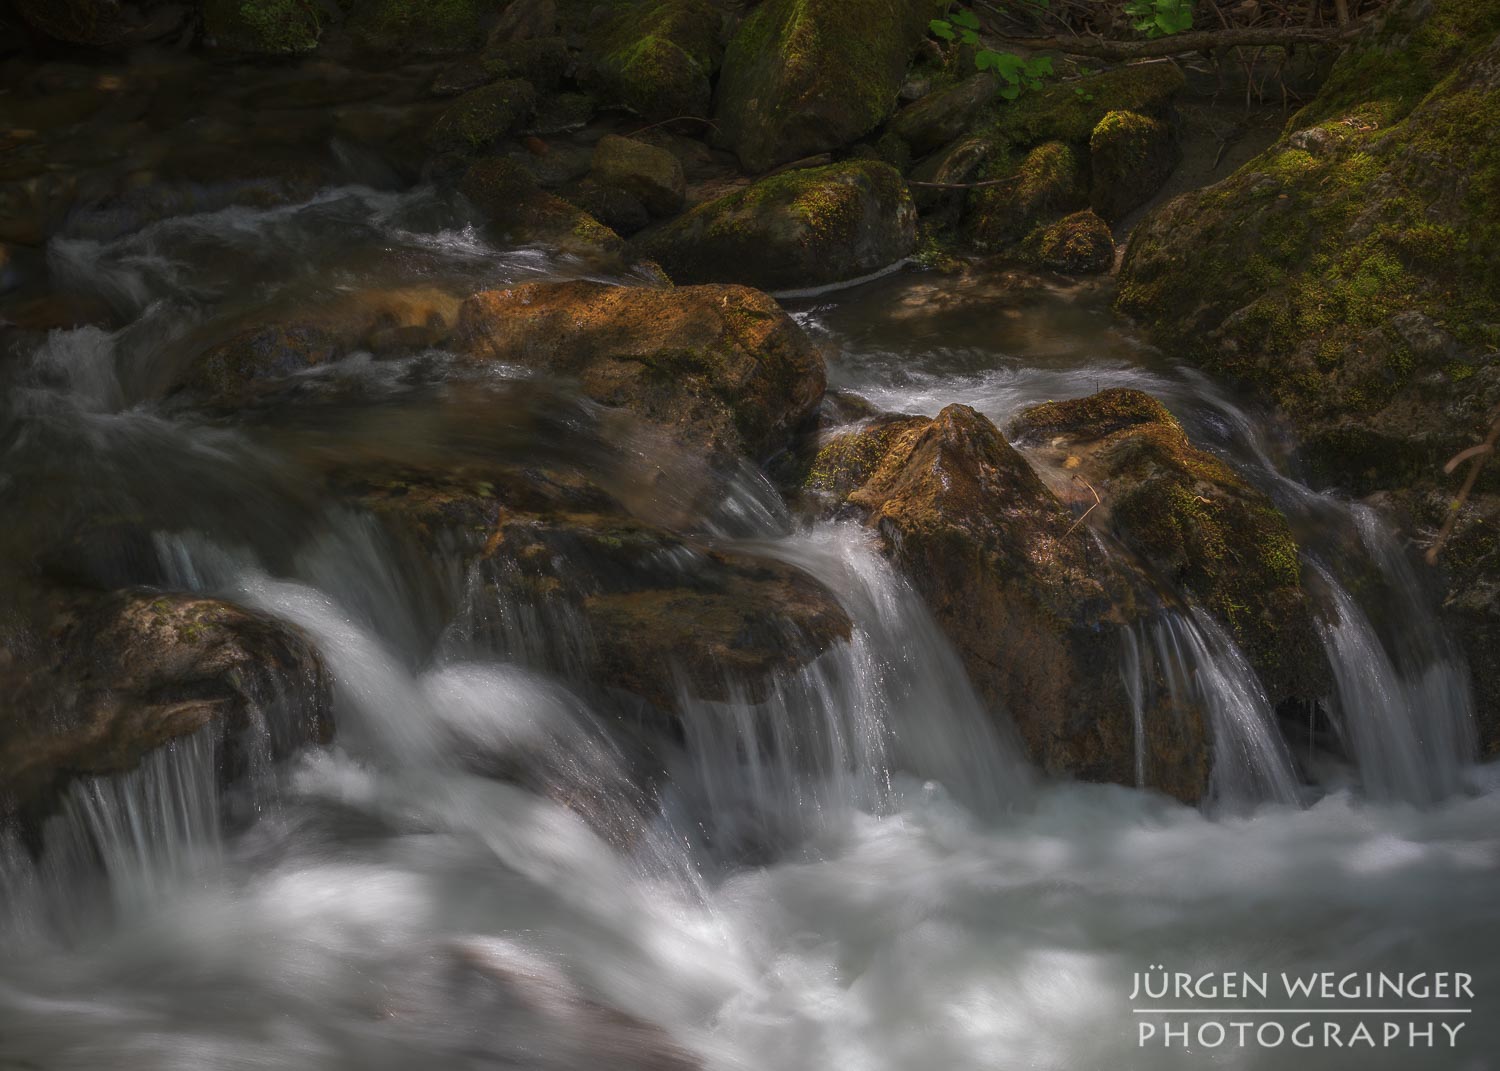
(804, 76)
(1193, 521)
(1030, 602)
(516, 209)
(254, 359)
(722, 368)
(802, 228)
(106, 678)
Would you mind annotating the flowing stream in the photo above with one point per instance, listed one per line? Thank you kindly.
(855, 869)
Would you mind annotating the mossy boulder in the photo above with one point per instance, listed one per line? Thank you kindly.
(263, 26)
(1350, 275)
(657, 57)
(1193, 521)
(481, 117)
(107, 24)
(804, 76)
(1021, 590)
(516, 209)
(650, 174)
(419, 27)
(1046, 182)
(938, 118)
(802, 228)
(1130, 156)
(540, 61)
(1080, 244)
(96, 681)
(1070, 111)
(721, 368)
(617, 209)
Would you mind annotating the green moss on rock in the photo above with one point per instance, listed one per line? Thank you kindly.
(657, 58)
(517, 210)
(804, 76)
(1048, 181)
(423, 27)
(1079, 244)
(263, 26)
(801, 228)
(1343, 272)
(1070, 111)
(483, 116)
(1130, 156)
(1194, 521)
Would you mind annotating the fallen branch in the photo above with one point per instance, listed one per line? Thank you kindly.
(963, 185)
(1192, 41)
(1479, 455)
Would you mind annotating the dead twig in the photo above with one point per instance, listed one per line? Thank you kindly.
(1084, 515)
(1478, 455)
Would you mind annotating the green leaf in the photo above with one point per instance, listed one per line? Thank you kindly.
(966, 19)
(942, 28)
(1010, 92)
(968, 37)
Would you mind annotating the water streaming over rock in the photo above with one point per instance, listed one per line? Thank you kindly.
(847, 865)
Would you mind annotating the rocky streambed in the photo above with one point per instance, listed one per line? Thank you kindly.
(500, 570)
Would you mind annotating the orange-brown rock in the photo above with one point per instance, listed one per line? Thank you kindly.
(723, 368)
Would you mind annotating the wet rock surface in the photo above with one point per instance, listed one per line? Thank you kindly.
(95, 681)
(720, 367)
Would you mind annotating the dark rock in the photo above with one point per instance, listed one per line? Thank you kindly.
(610, 205)
(481, 117)
(104, 679)
(653, 176)
(805, 76)
(802, 228)
(1049, 181)
(1130, 156)
(268, 27)
(657, 57)
(941, 117)
(516, 210)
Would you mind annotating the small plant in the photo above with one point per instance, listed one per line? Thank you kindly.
(1017, 73)
(1161, 18)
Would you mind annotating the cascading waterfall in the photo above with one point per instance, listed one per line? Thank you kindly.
(1203, 666)
(147, 830)
(849, 866)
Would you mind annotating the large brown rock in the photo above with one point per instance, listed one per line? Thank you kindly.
(97, 681)
(722, 368)
(1029, 600)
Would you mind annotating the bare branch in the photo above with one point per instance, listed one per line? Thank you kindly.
(1192, 41)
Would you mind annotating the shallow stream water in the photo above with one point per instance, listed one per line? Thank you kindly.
(886, 886)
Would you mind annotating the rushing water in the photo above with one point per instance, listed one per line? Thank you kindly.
(853, 869)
